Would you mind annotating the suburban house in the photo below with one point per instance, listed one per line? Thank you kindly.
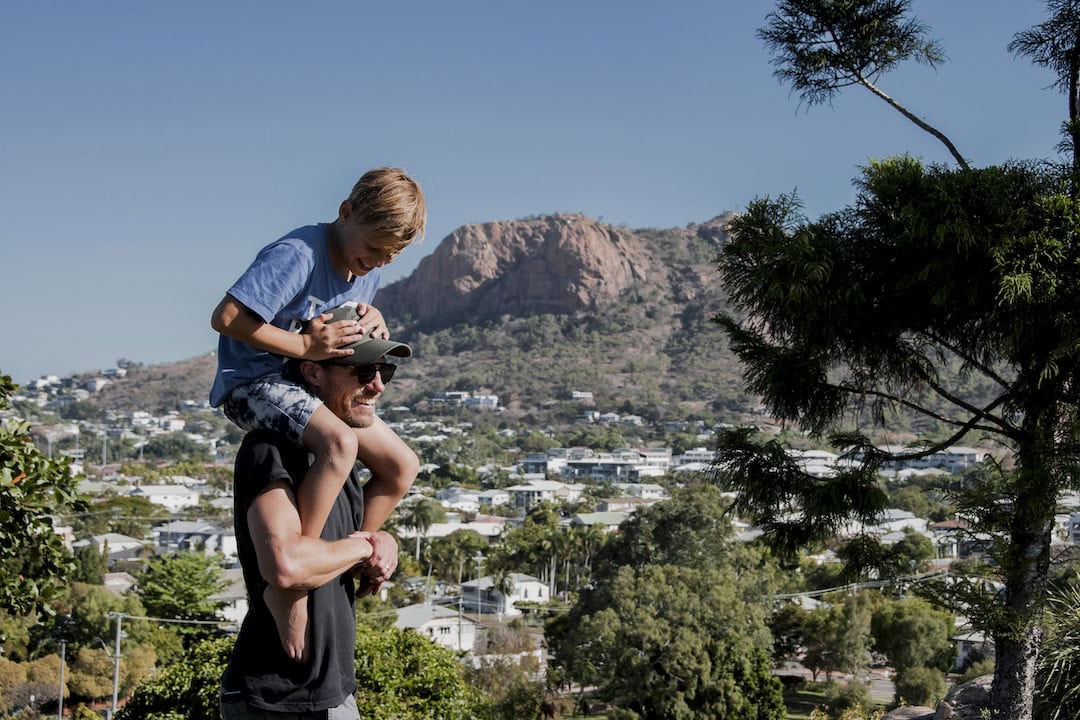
(195, 535)
(533, 492)
(444, 626)
(607, 521)
(481, 596)
(120, 547)
(233, 596)
(172, 497)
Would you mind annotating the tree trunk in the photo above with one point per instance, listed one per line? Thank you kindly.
(1018, 635)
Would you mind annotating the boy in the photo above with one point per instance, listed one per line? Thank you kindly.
(291, 283)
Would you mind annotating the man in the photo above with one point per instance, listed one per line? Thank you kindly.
(261, 682)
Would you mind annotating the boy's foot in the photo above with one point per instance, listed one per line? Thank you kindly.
(289, 610)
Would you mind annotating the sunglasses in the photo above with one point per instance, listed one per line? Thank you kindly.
(366, 373)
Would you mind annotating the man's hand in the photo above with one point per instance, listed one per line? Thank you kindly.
(380, 566)
(372, 322)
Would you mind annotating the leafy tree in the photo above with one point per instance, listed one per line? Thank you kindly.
(90, 565)
(505, 676)
(1059, 666)
(176, 446)
(90, 675)
(420, 515)
(186, 689)
(920, 685)
(402, 674)
(912, 633)
(675, 642)
(180, 586)
(126, 515)
(451, 556)
(948, 294)
(787, 625)
(32, 489)
(83, 619)
(837, 634)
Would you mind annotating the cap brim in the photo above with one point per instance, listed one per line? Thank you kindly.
(369, 350)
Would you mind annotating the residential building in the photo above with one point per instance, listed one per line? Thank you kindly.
(443, 625)
(172, 497)
(195, 535)
(481, 595)
(528, 494)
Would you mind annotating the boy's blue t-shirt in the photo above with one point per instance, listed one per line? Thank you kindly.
(290, 281)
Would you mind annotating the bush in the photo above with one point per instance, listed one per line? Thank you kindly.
(920, 686)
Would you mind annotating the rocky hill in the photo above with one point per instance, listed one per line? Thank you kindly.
(532, 309)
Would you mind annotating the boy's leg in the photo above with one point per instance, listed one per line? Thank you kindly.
(393, 466)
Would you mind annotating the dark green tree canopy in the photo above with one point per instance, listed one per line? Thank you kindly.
(33, 488)
(946, 293)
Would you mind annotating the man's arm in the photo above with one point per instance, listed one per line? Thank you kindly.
(286, 558)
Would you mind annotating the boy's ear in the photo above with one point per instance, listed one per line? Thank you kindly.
(345, 210)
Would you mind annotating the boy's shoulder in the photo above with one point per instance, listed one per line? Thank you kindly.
(305, 239)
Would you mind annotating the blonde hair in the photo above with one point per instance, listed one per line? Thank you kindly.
(390, 201)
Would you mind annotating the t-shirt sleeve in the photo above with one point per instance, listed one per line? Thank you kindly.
(278, 274)
(256, 469)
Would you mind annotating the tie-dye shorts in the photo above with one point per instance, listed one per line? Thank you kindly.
(272, 403)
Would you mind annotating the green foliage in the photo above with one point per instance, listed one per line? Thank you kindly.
(920, 685)
(837, 636)
(672, 625)
(180, 585)
(176, 446)
(676, 642)
(404, 676)
(126, 515)
(913, 633)
(187, 689)
(90, 565)
(32, 489)
(1058, 694)
(505, 677)
(90, 675)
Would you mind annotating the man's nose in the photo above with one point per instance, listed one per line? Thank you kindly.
(376, 384)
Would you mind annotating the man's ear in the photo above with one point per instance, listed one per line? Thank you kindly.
(312, 372)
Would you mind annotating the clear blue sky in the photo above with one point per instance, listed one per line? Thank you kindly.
(148, 150)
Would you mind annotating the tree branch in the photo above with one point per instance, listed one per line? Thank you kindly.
(967, 359)
(915, 119)
(1000, 427)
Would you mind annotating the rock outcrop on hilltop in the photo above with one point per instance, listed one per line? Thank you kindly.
(488, 305)
(558, 264)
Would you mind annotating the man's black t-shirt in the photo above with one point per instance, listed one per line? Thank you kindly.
(259, 670)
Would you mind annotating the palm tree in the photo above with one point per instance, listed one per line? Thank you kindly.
(502, 582)
(420, 516)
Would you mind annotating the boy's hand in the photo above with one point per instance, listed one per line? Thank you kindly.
(372, 322)
(324, 339)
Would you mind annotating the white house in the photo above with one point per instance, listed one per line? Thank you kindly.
(172, 497)
(481, 596)
(121, 547)
(608, 521)
(645, 491)
(233, 596)
(442, 625)
(529, 494)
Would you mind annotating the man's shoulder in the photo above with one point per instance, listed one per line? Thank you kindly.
(263, 445)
